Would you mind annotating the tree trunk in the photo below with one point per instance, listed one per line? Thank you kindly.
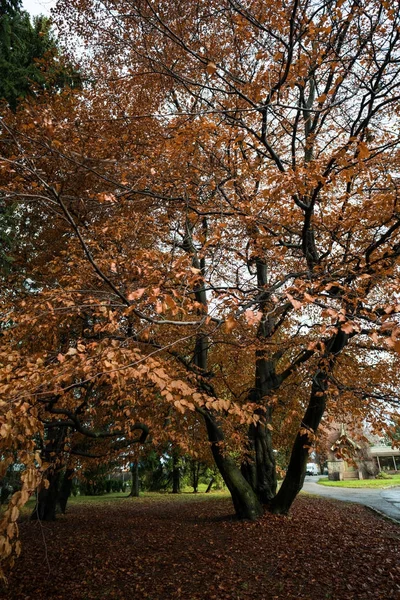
(135, 489)
(259, 466)
(65, 490)
(208, 490)
(321, 460)
(176, 474)
(295, 474)
(46, 500)
(296, 471)
(244, 498)
(195, 469)
(265, 464)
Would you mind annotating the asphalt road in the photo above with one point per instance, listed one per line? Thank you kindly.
(387, 501)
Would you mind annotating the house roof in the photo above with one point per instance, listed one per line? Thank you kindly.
(344, 439)
(384, 451)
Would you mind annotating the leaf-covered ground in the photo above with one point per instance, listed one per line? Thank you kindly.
(191, 548)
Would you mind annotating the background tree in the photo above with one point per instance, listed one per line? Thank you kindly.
(30, 57)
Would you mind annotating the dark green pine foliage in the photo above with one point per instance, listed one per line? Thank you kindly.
(30, 59)
(30, 62)
(7, 230)
(9, 6)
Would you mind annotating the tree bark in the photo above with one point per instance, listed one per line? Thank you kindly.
(295, 474)
(176, 474)
(296, 471)
(46, 500)
(65, 490)
(244, 498)
(245, 501)
(208, 490)
(195, 471)
(259, 467)
(135, 489)
(265, 464)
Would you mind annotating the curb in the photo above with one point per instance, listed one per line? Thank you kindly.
(381, 514)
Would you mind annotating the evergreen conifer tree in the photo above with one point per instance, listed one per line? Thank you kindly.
(30, 58)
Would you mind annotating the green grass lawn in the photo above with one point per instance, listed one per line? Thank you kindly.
(186, 494)
(362, 483)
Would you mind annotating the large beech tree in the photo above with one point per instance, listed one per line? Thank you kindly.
(216, 232)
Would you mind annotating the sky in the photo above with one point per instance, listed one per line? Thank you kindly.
(38, 7)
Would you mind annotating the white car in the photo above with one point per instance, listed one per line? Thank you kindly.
(312, 469)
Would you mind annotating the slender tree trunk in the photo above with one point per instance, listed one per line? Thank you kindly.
(46, 500)
(65, 490)
(295, 474)
(296, 471)
(195, 470)
(321, 460)
(135, 489)
(248, 466)
(47, 497)
(265, 464)
(266, 381)
(259, 466)
(245, 501)
(244, 498)
(208, 490)
(176, 473)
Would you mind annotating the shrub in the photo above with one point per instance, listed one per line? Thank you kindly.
(383, 475)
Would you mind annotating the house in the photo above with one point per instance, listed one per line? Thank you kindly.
(350, 459)
(387, 458)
